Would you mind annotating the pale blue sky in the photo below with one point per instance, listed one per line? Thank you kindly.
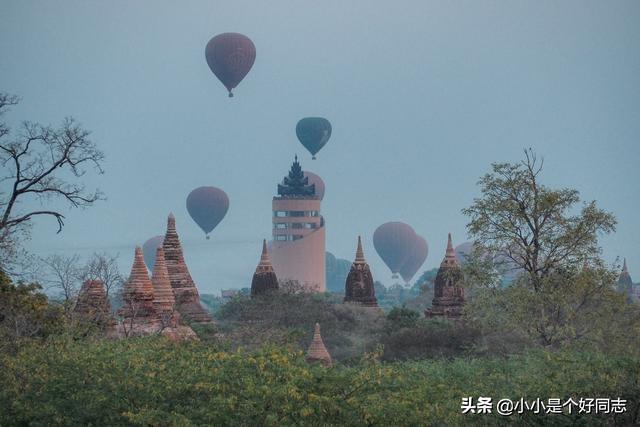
(422, 97)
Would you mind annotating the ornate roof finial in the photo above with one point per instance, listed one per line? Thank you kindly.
(295, 184)
(359, 253)
(624, 266)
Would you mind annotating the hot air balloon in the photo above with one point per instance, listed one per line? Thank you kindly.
(416, 258)
(313, 133)
(149, 250)
(319, 183)
(463, 250)
(207, 206)
(394, 241)
(230, 56)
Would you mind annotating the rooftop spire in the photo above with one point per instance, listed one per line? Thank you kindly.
(359, 253)
(450, 254)
(264, 279)
(317, 351)
(624, 266)
(295, 184)
(265, 261)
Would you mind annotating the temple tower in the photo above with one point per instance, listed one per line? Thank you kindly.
(317, 352)
(359, 287)
(625, 284)
(164, 300)
(448, 289)
(93, 305)
(187, 299)
(138, 309)
(264, 279)
(298, 247)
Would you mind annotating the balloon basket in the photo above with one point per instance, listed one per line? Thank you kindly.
(208, 237)
(230, 94)
(395, 276)
(313, 157)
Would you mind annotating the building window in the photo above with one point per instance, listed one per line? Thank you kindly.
(280, 225)
(297, 237)
(298, 214)
(281, 237)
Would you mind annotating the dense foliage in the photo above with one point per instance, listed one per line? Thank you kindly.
(153, 381)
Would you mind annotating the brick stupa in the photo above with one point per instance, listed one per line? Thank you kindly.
(317, 352)
(138, 310)
(163, 298)
(448, 297)
(185, 291)
(358, 288)
(93, 305)
(625, 283)
(264, 279)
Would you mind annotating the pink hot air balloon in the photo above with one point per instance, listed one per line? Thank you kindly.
(149, 250)
(394, 241)
(319, 183)
(230, 56)
(207, 206)
(416, 258)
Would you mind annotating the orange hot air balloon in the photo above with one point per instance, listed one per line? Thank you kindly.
(394, 241)
(230, 56)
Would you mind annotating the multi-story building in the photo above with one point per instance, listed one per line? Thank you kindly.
(298, 246)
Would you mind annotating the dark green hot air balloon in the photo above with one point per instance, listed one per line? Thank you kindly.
(313, 133)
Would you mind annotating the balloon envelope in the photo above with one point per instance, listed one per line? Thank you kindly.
(463, 250)
(313, 133)
(207, 206)
(230, 56)
(149, 250)
(416, 258)
(394, 241)
(319, 183)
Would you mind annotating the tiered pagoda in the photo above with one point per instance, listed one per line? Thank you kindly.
(317, 352)
(138, 310)
(93, 305)
(625, 284)
(187, 299)
(296, 184)
(448, 297)
(163, 298)
(359, 287)
(264, 279)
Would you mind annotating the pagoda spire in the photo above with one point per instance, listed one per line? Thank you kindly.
(359, 253)
(317, 352)
(295, 184)
(265, 261)
(450, 254)
(264, 279)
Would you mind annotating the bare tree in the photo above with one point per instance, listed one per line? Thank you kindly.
(41, 163)
(62, 273)
(104, 267)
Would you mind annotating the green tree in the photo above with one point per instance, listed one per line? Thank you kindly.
(26, 313)
(563, 291)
